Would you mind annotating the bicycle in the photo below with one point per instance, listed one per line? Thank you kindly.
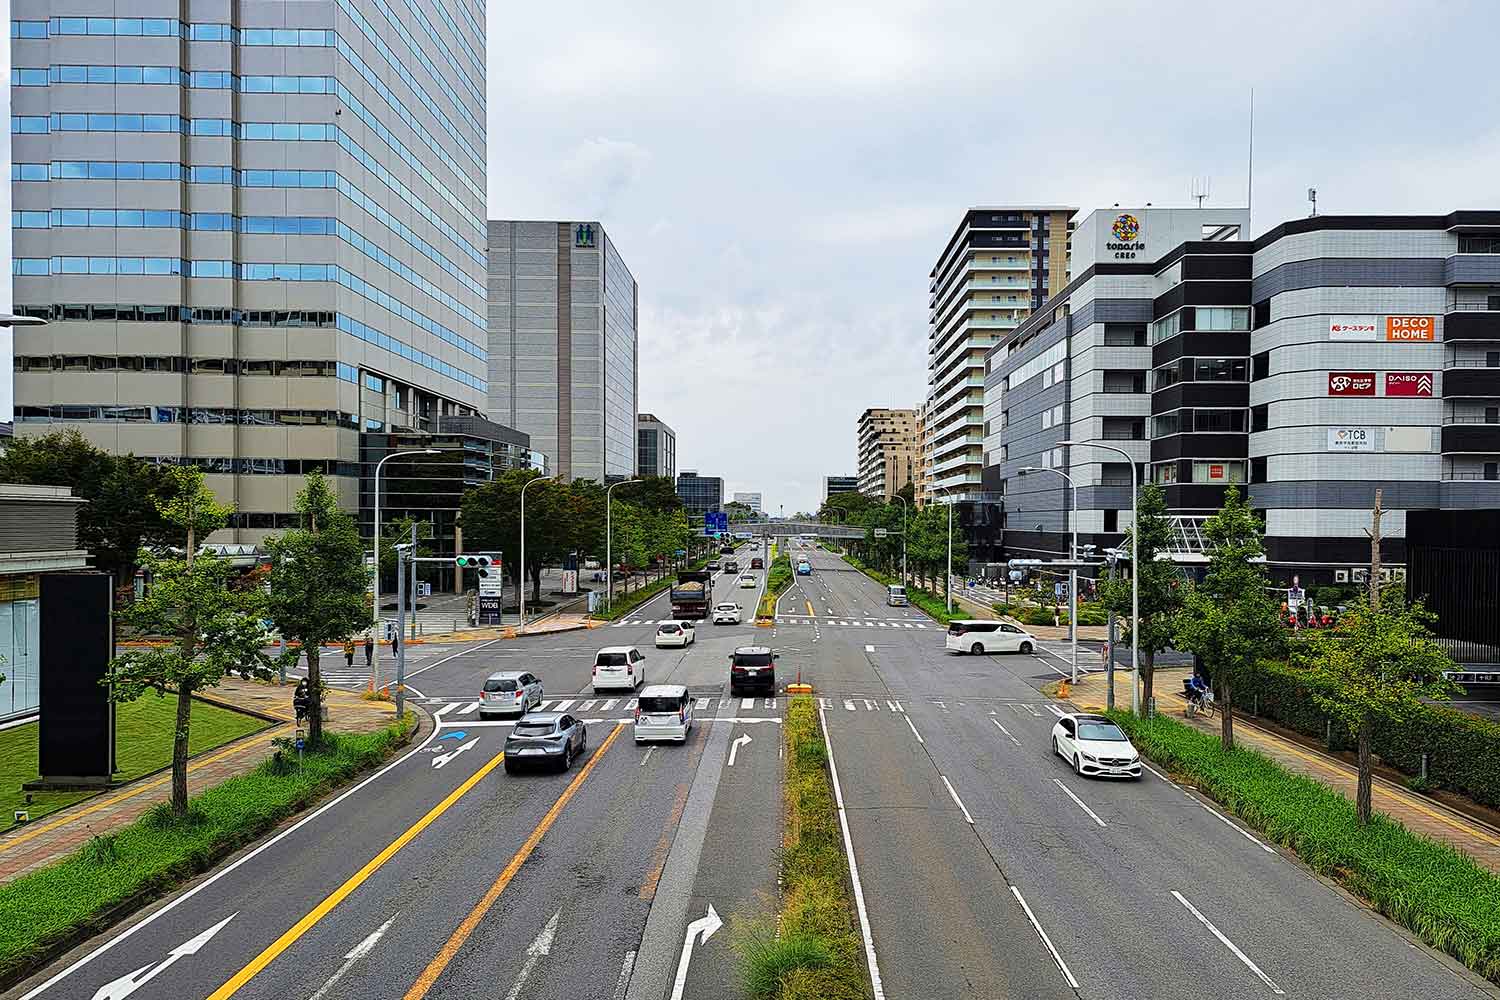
(1200, 704)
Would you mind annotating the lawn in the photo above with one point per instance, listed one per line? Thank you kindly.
(143, 743)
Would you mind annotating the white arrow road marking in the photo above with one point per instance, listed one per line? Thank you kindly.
(442, 759)
(734, 748)
(540, 948)
(706, 925)
(127, 984)
(356, 953)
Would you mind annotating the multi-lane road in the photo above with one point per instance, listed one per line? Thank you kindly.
(987, 868)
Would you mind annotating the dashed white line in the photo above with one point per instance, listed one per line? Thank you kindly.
(914, 729)
(1229, 944)
(1007, 732)
(1067, 973)
(1237, 828)
(562, 706)
(647, 755)
(959, 802)
(1069, 793)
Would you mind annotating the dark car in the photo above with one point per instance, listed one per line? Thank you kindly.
(726, 550)
(714, 565)
(545, 738)
(757, 563)
(752, 667)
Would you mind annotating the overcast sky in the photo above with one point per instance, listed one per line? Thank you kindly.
(780, 177)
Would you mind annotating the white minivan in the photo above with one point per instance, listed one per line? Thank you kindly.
(663, 712)
(619, 668)
(987, 636)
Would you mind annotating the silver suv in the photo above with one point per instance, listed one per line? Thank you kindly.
(509, 692)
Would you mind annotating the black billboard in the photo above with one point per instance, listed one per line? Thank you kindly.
(77, 731)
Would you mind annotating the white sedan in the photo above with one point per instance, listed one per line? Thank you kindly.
(675, 634)
(1095, 746)
(728, 614)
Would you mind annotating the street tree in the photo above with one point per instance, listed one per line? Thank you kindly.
(492, 523)
(318, 582)
(1373, 666)
(1230, 620)
(122, 492)
(214, 623)
(740, 511)
(927, 545)
(1160, 583)
(397, 531)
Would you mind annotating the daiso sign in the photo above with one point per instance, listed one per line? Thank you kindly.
(1410, 328)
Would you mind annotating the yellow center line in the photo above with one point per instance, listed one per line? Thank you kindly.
(810, 612)
(466, 927)
(111, 799)
(281, 944)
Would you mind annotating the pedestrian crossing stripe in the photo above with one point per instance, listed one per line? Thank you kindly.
(804, 620)
(449, 713)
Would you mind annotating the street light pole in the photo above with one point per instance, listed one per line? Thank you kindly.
(948, 577)
(897, 496)
(521, 575)
(1135, 573)
(375, 625)
(1072, 557)
(609, 537)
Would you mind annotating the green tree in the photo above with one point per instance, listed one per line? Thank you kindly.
(398, 532)
(740, 512)
(927, 544)
(216, 625)
(1230, 619)
(1373, 666)
(1160, 583)
(492, 523)
(122, 492)
(318, 581)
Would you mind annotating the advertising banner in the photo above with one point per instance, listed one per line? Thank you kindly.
(1351, 383)
(1408, 383)
(1404, 329)
(1351, 439)
(1352, 328)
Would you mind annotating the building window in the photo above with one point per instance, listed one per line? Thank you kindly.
(1260, 366)
(1260, 417)
(1492, 471)
(1258, 470)
(1111, 520)
(1216, 472)
(1166, 328)
(1164, 474)
(1479, 244)
(1218, 318)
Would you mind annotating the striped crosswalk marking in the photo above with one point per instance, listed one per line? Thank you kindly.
(1056, 711)
(848, 705)
(747, 703)
(771, 703)
(870, 706)
(467, 708)
(445, 709)
(894, 706)
(608, 705)
(823, 703)
(629, 706)
(588, 705)
(700, 704)
(562, 706)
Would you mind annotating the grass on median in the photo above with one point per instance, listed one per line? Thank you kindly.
(47, 908)
(815, 952)
(778, 579)
(1429, 888)
(143, 743)
(932, 605)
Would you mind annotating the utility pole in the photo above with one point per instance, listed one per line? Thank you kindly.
(1374, 534)
(1109, 660)
(411, 590)
(401, 554)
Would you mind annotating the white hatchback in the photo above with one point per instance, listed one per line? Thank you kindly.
(986, 636)
(675, 634)
(664, 712)
(727, 614)
(619, 667)
(1095, 746)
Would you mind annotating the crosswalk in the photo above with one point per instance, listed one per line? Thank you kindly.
(846, 622)
(448, 712)
(603, 707)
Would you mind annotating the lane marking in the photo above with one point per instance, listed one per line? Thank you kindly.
(445, 710)
(959, 802)
(747, 703)
(1229, 944)
(734, 747)
(649, 751)
(848, 705)
(317, 913)
(623, 982)
(467, 708)
(914, 729)
(222, 872)
(608, 705)
(869, 649)
(438, 663)
(877, 988)
(894, 706)
(1007, 732)
(1055, 710)
(562, 706)
(1069, 793)
(699, 930)
(1236, 828)
(354, 954)
(445, 955)
(588, 704)
(540, 948)
(1036, 925)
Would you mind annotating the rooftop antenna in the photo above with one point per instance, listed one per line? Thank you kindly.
(1200, 189)
(1312, 196)
(1250, 168)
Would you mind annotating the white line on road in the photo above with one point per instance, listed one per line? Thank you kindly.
(1069, 793)
(539, 949)
(734, 748)
(649, 751)
(624, 981)
(859, 893)
(1055, 710)
(1237, 828)
(848, 705)
(588, 704)
(1229, 944)
(444, 710)
(1067, 973)
(608, 705)
(562, 706)
(869, 649)
(356, 953)
(956, 799)
(468, 708)
(1007, 732)
(914, 730)
(438, 663)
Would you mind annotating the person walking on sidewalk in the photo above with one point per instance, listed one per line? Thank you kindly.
(369, 650)
(349, 653)
(300, 699)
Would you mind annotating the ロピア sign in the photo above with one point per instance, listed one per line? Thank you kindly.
(1351, 383)
(1408, 383)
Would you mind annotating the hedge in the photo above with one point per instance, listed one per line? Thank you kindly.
(1088, 614)
(934, 606)
(1461, 749)
(1429, 888)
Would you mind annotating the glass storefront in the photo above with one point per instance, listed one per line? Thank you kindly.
(20, 641)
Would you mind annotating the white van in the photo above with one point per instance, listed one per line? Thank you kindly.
(663, 712)
(988, 636)
(895, 595)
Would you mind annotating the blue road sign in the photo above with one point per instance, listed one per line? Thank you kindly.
(715, 521)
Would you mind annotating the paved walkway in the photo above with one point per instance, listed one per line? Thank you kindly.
(58, 834)
(1417, 813)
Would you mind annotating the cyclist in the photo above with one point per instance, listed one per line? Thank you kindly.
(1197, 694)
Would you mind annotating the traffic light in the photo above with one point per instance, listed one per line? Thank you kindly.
(473, 562)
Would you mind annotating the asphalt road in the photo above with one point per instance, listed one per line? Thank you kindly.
(987, 868)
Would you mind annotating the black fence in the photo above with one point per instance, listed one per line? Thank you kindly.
(1453, 563)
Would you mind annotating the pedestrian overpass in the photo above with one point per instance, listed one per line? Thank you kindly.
(784, 529)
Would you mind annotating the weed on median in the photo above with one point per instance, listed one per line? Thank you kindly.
(1429, 888)
(815, 952)
(49, 908)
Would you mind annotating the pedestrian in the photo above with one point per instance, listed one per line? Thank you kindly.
(395, 644)
(349, 653)
(300, 699)
(369, 649)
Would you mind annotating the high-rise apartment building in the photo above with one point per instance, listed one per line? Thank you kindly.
(999, 265)
(255, 235)
(886, 442)
(562, 345)
(754, 501)
(656, 447)
(834, 485)
(700, 494)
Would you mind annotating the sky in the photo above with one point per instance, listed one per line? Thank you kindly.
(781, 177)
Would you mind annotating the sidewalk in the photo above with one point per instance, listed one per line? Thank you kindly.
(564, 621)
(62, 832)
(1418, 813)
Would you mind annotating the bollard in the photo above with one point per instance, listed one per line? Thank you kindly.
(1255, 704)
(1424, 767)
(1328, 734)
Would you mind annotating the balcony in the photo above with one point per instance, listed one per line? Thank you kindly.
(1471, 438)
(1465, 321)
(1467, 381)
